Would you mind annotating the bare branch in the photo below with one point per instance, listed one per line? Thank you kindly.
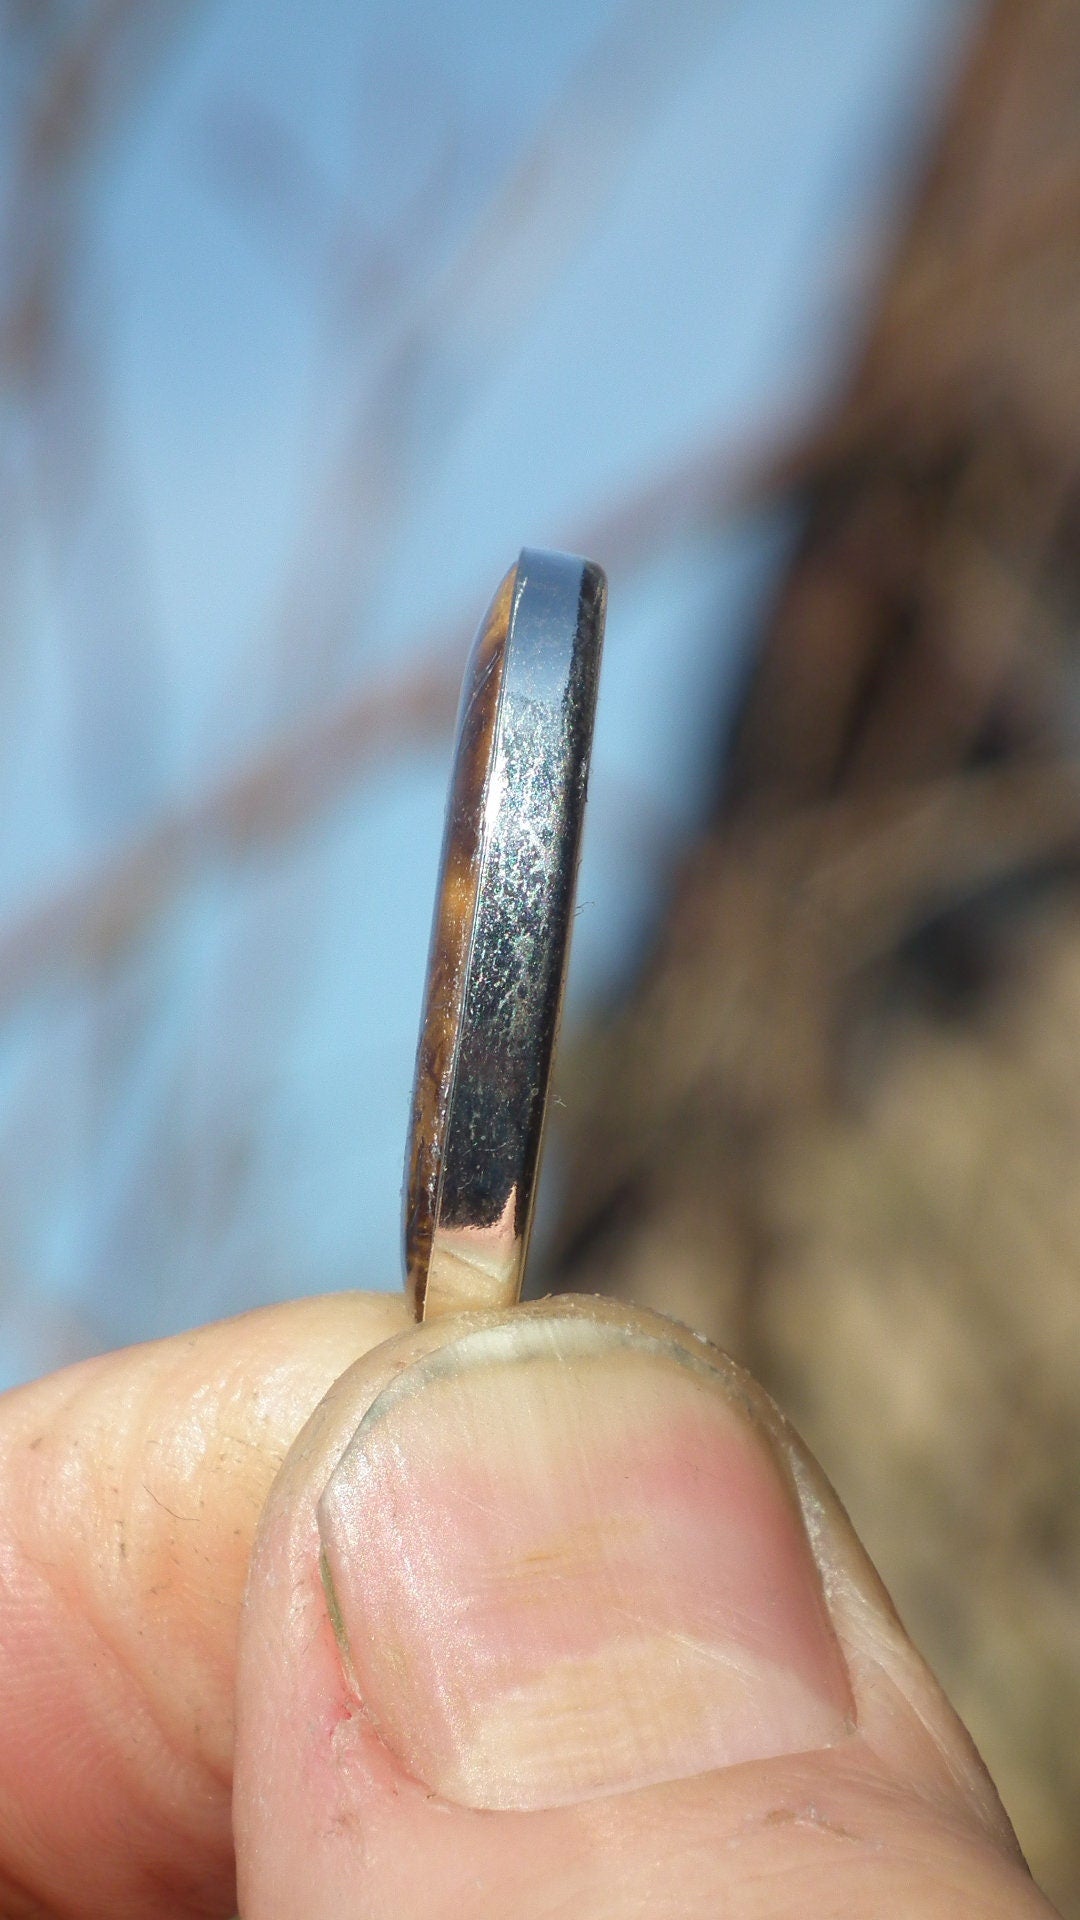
(294, 780)
(453, 323)
(90, 82)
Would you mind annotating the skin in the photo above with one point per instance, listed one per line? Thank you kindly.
(162, 1735)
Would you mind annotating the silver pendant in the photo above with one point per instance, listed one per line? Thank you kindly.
(501, 935)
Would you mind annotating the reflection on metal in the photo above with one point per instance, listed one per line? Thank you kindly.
(501, 934)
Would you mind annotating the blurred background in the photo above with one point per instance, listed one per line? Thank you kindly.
(310, 316)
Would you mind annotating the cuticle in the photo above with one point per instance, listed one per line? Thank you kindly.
(337, 1618)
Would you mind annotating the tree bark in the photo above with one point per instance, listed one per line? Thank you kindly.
(836, 1120)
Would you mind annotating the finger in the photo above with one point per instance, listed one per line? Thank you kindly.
(130, 1488)
(551, 1615)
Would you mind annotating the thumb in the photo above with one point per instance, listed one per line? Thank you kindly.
(551, 1614)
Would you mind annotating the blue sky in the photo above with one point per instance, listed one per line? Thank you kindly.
(689, 270)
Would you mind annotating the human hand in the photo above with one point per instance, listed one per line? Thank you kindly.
(548, 1613)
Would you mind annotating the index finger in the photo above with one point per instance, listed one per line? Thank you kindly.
(130, 1488)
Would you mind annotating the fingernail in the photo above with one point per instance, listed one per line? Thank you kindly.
(564, 1561)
